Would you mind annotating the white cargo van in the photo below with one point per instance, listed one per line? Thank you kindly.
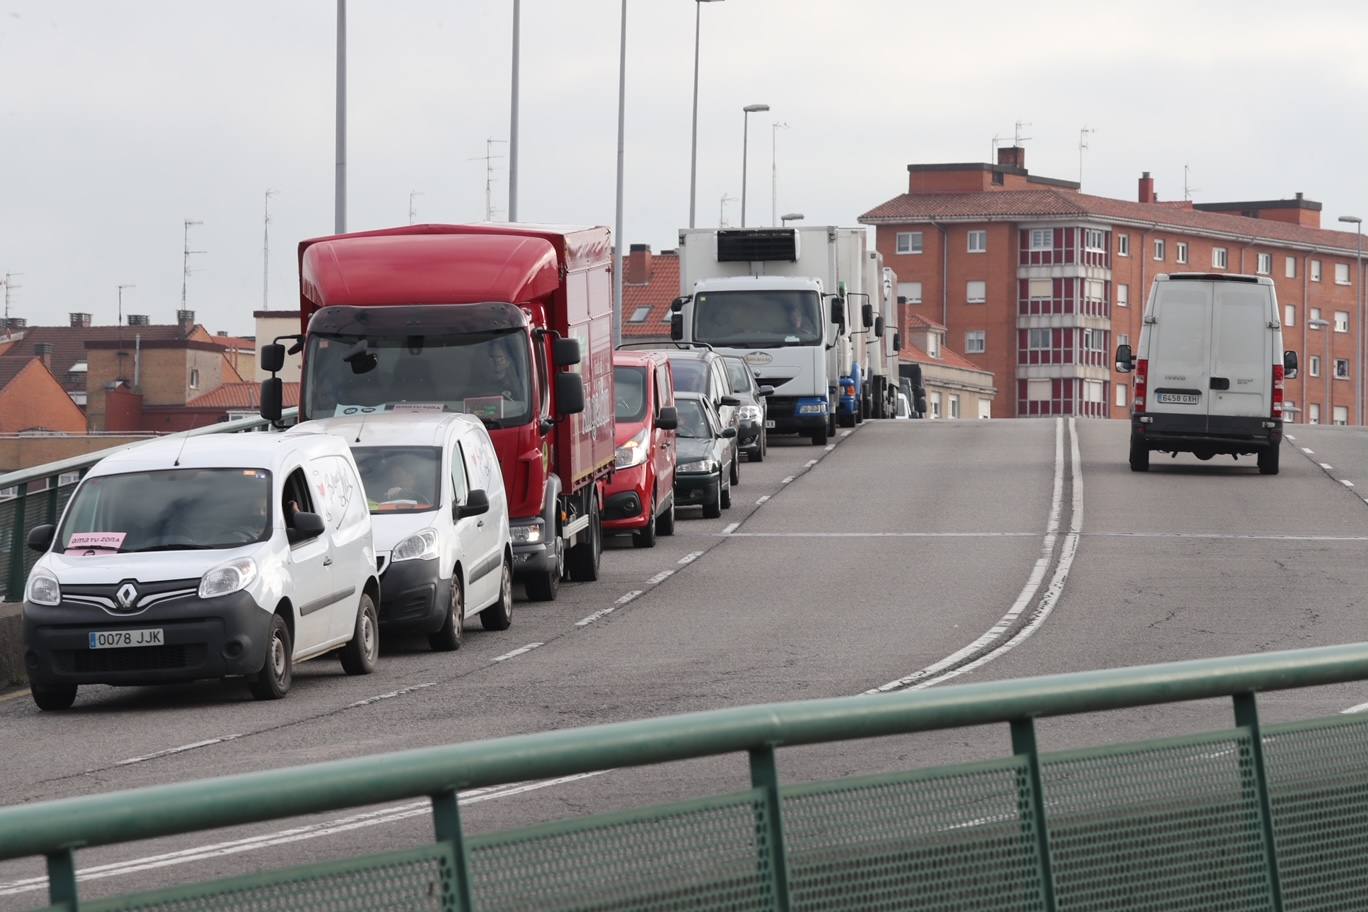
(1209, 372)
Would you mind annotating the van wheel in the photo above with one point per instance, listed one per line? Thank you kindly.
(847, 420)
(819, 437)
(499, 615)
(1268, 459)
(665, 521)
(646, 538)
(53, 696)
(583, 559)
(1139, 455)
(360, 654)
(544, 587)
(273, 681)
(449, 636)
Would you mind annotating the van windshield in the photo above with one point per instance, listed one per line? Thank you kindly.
(168, 510)
(400, 479)
(629, 385)
(757, 319)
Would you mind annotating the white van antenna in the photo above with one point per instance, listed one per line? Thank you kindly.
(359, 428)
(180, 452)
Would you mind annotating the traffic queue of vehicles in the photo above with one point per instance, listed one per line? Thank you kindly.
(464, 421)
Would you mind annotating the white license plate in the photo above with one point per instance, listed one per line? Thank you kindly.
(1179, 398)
(123, 639)
(769, 425)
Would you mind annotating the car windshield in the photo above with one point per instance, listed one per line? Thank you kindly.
(485, 374)
(757, 319)
(168, 510)
(690, 375)
(400, 479)
(739, 375)
(693, 420)
(630, 386)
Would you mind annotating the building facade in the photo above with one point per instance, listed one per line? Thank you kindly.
(955, 387)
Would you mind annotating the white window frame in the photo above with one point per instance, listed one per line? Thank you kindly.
(1160, 249)
(912, 291)
(1315, 270)
(194, 378)
(933, 344)
(1034, 284)
(1123, 338)
(1313, 413)
(1220, 258)
(1314, 316)
(981, 236)
(1290, 267)
(1121, 394)
(1342, 274)
(1031, 338)
(1342, 374)
(1037, 384)
(975, 342)
(969, 297)
(905, 249)
(1289, 315)
(954, 405)
(1264, 264)
(1123, 295)
(1341, 321)
(1339, 417)
(1042, 239)
(1095, 239)
(1180, 252)
(935, 404)
(1313, 365)
(1123, 245)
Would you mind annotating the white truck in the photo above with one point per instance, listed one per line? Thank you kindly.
(875, 340)
(777, 298)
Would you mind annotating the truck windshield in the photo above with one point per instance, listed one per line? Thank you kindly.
(629, 384)
(485, 374)
(168, 510)
(400, 479)
(757, 319)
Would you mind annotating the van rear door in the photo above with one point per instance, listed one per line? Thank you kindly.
(1179, 351)
(1242, 350)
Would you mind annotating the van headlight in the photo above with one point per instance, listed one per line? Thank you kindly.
(632, 453)
(228, 578)
(418, 546)
(43, 589)
(527, 533)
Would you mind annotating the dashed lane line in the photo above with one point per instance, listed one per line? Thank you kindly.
(787, 479)
(729, 528)
(1327, 466)
(690, 557)
(394, 693)
(175, 750)
(762, 500)
(1346, 482)
(1308, 451)
(882, 534)
(521, 650)
(660, 577)
(1355, 709)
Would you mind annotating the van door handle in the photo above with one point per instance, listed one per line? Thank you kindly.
(327, 561)
(1220, 383)
(479, 524)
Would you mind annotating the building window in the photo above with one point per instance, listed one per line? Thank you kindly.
(1220, 258)
(1289, 315)
(640, 314)
(194, 378)
(1341, 273)
(909, 242)
(1042, 239)
(933, 344)
(1040, 289)
(1313, 365)
(1341, 368)
(935, 405)
(911, 291)
(1159, 249)
(1289, 411)
(1341, 415)
(1095, 239)
(978, 241)
(1094, 391)
(1121, 395)
(1313, 317)
(1313, 413)
(1315, 270)
(1123, 338)
(1094, 289)
(976, 292)
(975, 342)
(1290, 267)
(1265, 264)
(1180, 252)
(1123, 244)
(1038, 390)
(1341, 321)
(1038, 339)
(954, 405)
(1123, 296)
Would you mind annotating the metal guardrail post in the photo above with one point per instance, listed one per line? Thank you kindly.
(14, 586)
(446, 821)
(1247, 716)
(1024, 745)
(765, 775)
(61, 872)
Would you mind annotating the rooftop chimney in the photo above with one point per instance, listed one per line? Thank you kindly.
(137, 320)
(44, 351)
(1012, 157)
(80, 319)
(15, 324)
(186, 320)
(1147, 189)
(638, 268)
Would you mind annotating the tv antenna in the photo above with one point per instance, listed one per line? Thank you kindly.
(1083, 135)
(185, 262)
(1188, 189)
(121, 291)
(489, 158)
(413, 213)
(265, 251)
(997, 141)
(1017, 138)
(10, 287)
(722, 210)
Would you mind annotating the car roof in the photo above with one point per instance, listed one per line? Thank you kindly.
(689, 354)
(404, 429)
(640, 358)
(218, 451)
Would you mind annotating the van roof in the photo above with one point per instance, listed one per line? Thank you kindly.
(1212, 277)
(227, 451)
(404, 429)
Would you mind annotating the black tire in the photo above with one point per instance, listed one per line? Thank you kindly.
(736, 467)
(1139, 455)
(499, 615)
(1268, 459)
(714, 509)
(451, 634)
(53, 697)
(545, 586)
(724, 495)
(831, 425)
(646, 537)
(583, 559)
(665, 522)
(277, 670)
(363, 649)
(846, 420)
(819, 436)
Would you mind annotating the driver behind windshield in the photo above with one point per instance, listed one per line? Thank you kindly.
(692, 421)
(795, 321)
(499, 378)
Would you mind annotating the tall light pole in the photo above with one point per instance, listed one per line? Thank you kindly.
(693, 146)
(747, 111)
(121, 291)
(617, 229)
(265, 251)
(1358, 315)
(513, 121)
(340, 185)
(774, 172)
(791, 217)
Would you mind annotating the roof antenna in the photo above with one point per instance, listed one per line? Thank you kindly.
(361, 427)
(180, 452)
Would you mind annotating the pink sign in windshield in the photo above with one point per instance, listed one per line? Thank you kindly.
(83, 542)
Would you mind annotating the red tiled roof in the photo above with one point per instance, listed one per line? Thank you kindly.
(68, 344)
(657, 295)
(1051, 204)
(244, 395)
(917, 321)
(949, 358)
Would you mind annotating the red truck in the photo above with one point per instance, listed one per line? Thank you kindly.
(510, 323)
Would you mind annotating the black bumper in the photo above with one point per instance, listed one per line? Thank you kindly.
(696, 490)
(203, 638)
(781, 410)
(622, 505)
(1214, 433)
(748, 435)
(413, 595)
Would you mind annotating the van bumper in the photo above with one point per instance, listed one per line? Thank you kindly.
(413, 595)
(797, 413)
(1213, 433)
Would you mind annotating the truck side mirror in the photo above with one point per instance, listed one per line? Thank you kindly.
(566, 352)
(838, 312)
(897, 342)
(867, 314)
(678, 303)
(40, 537)
(676, 326)
(1290, 364)
(272, 357)
(668, 419)
(569, 394)
(1125, 363)
(879, 327)
(272, 396)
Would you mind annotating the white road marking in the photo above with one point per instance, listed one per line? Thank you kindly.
(177, 750)
(830, 447)
(810, 463)
(1355, 709)
(845, 433)
(1222, 536)
(602, 612)
(787, 479)
(691, 557)
(729, 528)
(517, 652)
(884, 534)
(1346, 482)
(1327, 466)
(349, 823)
(393, 693)
(1308, 451)
(1289, 437)
(762, 500)
(660, 577)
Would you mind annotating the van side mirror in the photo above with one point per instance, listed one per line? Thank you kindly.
(477, 503)
(878, 327)
(304, 526)
(867, 314)
(272, 398)
(729, 400)
(1290, 364)
(272, 357)
(766, 391)
(668, 418)
(729, 432)
(569, 394)
(40, 537)
(897, 342)
(566, 352)
(676, 326)
(1125, 363)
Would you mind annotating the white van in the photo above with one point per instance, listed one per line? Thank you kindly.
(440, 515)
(233, 555)
(1209, 373)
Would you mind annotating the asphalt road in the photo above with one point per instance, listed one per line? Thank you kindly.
(909, 554)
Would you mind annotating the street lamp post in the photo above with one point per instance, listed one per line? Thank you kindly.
(340, 125)
(693, 147)
(513, 120)
(1358, 315)
(617, 229)
(747, 111)
(790, 217)
(774, 172)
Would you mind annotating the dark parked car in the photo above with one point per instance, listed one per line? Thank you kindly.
(707, 456)
(752, 415)
(703, 371)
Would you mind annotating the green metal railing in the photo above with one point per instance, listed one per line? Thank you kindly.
(1251, 817)
(31, 497)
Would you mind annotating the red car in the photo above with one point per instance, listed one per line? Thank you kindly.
(640, 497)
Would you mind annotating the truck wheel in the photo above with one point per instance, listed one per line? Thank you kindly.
(273, 681)
(53, 696)
(1268, 459)
(583, 559)
(714, 509)
(499, 615)
(847, 419)
(831, 424)
(646, 538)
(819, 436)
(361, 652)
(1139, 455)
(449, 636)
(665, 521)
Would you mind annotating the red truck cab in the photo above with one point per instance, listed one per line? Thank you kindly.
(508, 322)
(640, 497)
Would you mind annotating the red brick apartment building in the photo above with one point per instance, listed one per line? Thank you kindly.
(1038, 282)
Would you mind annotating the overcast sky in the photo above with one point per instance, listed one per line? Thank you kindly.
(120, 119)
